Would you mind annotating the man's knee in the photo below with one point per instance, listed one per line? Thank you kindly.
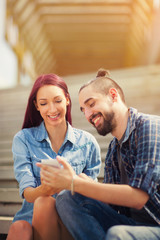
(63, 197)
(116, 233)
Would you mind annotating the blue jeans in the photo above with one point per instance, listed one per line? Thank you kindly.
(123, 232)
(87, 218)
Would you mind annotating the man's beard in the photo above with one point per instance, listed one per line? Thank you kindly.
(108, 124)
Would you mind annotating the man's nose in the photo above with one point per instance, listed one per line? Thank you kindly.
(88, 114)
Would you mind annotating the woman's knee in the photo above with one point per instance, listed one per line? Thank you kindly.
(20, 228)
(44, 208)
(44, 204)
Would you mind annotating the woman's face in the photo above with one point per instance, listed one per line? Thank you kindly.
(52, 104)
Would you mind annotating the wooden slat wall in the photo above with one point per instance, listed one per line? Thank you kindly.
(70, 37)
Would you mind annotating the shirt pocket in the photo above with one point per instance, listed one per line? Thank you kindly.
(36, 169)
(78, 166)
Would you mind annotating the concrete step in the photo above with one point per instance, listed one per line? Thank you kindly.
(10, 195)
(6, 161)
(10, 124)
(5, 144)
(5, 223)
(6, 172)
(9, 209)
(10, 116)
(9, 132)
(5, 153)
(7, 179)
(8, 183)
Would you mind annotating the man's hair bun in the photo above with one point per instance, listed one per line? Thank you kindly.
(103, 73)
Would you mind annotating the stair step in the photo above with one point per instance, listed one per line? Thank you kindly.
(8, 184)
(6, 172)
(6, 153)
(5, 144)
(7, 179)
(5, 223)
(6, 161)
(9, 195)
(9, 209)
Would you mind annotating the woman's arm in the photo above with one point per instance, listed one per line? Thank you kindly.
(30, 193)
(24, 171)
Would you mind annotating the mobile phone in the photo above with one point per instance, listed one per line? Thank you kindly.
(51, 162)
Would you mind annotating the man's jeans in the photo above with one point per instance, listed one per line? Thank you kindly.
(89, 219)
(122, 232)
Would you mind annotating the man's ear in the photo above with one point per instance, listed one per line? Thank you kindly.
(36, 106)
(113, 94)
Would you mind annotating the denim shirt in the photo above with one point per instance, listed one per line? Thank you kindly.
(140, 153)
(30, 145)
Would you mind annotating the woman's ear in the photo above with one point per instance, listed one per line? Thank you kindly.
(67, 101)
(36, 106)
(113, 94)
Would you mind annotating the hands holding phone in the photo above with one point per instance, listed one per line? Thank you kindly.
(56, 173)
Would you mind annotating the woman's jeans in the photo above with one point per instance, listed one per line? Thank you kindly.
(89, 219)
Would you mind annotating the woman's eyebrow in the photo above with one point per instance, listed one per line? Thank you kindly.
(46, 98)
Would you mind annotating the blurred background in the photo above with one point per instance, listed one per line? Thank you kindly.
(76, 36)
(72, 38)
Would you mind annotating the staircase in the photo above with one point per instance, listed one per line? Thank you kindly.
(142, 90)
(13, 103)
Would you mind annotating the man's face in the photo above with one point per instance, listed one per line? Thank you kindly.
(97, 109)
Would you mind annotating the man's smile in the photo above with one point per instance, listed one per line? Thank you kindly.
(96, 119)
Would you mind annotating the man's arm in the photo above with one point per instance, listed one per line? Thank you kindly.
(116, 194)
(65, 178)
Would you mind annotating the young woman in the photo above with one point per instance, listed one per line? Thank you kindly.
(47, 133)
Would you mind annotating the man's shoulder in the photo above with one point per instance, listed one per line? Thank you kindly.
(144, 118)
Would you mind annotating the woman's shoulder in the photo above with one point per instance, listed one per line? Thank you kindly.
(25, 133)
(84, 134)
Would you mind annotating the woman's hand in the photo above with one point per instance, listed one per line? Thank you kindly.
(57, 178)
(31, 194)
(85, 177)
(46, 190)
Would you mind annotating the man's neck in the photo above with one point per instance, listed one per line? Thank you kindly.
(122, 120)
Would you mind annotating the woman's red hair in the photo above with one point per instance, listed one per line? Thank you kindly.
(32, 116)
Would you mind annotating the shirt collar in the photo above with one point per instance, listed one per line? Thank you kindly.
(70, 135)
(41, 134)
(131, 123)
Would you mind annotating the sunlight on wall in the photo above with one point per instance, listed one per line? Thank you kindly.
(156, 3)
(8, 60)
